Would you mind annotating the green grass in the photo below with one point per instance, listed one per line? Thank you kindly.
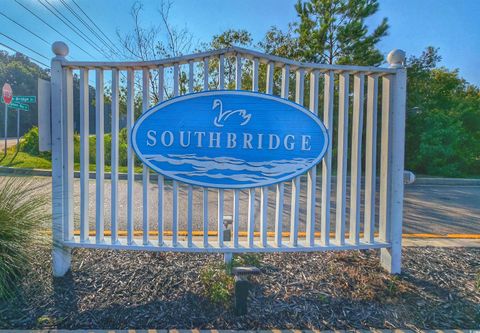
(24, 160)
(27, 161)
(23, 220)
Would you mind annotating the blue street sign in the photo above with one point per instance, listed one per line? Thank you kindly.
(229, 139)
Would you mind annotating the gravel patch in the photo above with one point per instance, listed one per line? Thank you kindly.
(333, 290)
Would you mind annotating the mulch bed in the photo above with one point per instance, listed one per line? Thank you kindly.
(341, 290)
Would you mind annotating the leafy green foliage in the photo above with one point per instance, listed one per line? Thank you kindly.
(30, 144)
(247, 259)
(22, 74)
(443, 120)
(218, 284)
(331, 31)
(22, 218)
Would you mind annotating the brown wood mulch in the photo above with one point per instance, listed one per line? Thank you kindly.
(439, 289)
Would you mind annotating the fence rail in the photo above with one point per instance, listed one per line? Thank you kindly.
(351, 100)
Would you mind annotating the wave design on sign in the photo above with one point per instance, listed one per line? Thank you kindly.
(231, 168)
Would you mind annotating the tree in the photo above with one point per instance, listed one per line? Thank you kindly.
(334, 31)
(443, 119)
(156, 42)
(225, 40)
(22, 74)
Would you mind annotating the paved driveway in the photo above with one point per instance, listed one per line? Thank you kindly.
(428, 208)
(10, 143)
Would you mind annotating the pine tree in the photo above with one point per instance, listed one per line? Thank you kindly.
(334, 31)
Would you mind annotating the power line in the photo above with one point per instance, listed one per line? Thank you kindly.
(25, 46)
(61, 34)
(30, 31)
(31, 58)
(77, 16)
(93, 22)
(70, 24)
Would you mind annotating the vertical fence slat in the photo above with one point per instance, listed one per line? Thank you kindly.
(251, 216)
(161, 179)
(264, 190)
(189, 215)
(370, 158)
(205, 73)
(279, 214)
(270, 71)
(205, 217)
(68, 154)
(130, 154)
(385, 152)
(263, 215)
(146, 170)
(100, 156)
(238, 72)
(294, 211)
(312, 173)
(190, 76)
(114, 156)
(280, 187)
(205, 190)
(342, 158)
(295, 207)
(236, 193)
(84, 155)
(251, 192)
(236, 220)
(220, 218)
(176, 74)
(174, 213)
(221, 72)
(356, 166)
(221, 85)
(255, 75)
(190, 188)
(285, 81)
(327, 160)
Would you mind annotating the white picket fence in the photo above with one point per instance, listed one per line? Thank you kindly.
(372, 87)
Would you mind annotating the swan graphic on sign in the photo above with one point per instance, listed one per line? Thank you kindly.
(229, 139)
(224, 115)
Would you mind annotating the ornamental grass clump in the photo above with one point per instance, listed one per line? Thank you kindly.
(23, 217)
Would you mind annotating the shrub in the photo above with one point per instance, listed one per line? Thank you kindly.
(247, 259)
(218, 284)
(30, 144)
(22, 218)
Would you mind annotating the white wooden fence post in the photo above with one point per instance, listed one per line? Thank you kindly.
(392, 231)
(61, 255)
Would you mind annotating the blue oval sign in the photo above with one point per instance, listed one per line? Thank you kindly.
(229, 139)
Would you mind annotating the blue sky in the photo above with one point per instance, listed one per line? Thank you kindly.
(451, 25)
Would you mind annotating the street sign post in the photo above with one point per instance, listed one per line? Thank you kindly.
(7, 95)
(14, 102)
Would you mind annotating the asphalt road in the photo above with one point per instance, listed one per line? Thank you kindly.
(427, 208)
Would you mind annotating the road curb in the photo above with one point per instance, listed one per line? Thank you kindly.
(138, 176)
(447, 181)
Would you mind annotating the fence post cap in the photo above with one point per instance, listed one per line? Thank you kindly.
(396, 58)
(60, 49)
